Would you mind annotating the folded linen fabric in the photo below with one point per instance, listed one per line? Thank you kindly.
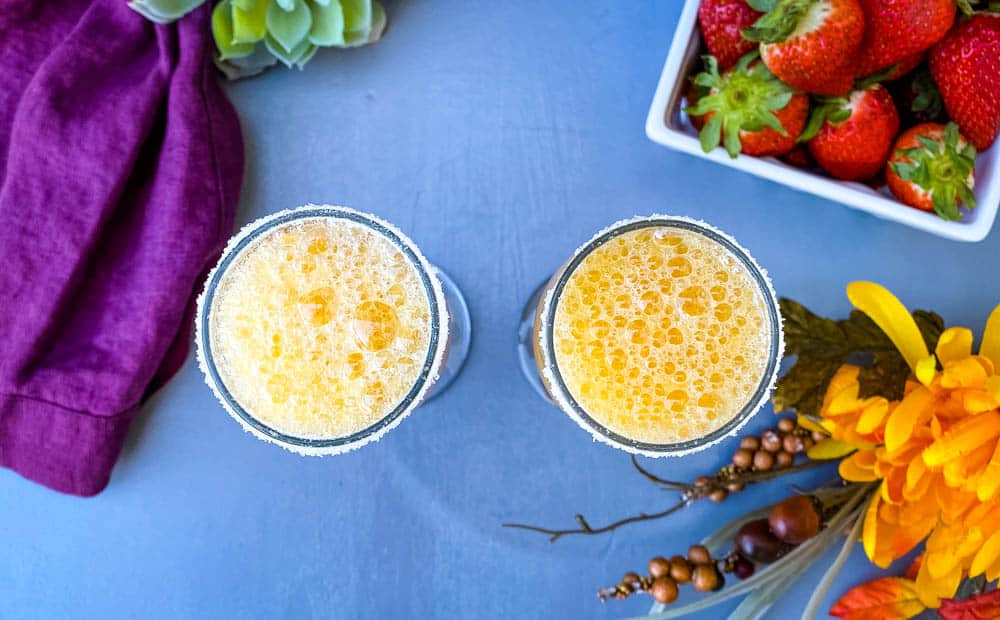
(120, 167)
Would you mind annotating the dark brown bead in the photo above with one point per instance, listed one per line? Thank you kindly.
(762, 460)
(786, 425)
(735, 487)
(702, 481)
(792, 444)
(720, 581)
(817, 436)
(794, 520)
(783, 459)
(743, 568)
(807, 442)
(750, 443)
(743, 458)
(705, 578)
(630, 578)
(698, 554)
(659, 566)
(770, 440)
(664, 590)
(718, 495)
(756, 542)
(680, 569)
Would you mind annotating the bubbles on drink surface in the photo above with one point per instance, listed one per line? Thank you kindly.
(661, 335)
(320, 327)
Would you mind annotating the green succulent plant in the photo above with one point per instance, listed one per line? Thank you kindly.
(251, 35)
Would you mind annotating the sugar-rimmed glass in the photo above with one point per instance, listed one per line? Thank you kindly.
(538, 358)
(449, 341)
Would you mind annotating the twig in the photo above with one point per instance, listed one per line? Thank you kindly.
(585, 527)
(680, 486)
(689, 494)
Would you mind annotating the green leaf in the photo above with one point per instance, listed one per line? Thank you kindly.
(762, 6)
(777, 24)
(357, 21)
(885, 377)
(328, 24)
(822, 345)
(379, 21)
(803, 387)
(247, 5)
(164, 11)
(222, 32)
(238, 68)
(711, 133)
(290, 58)
(250, 24)
(287, 5)
(288, 29)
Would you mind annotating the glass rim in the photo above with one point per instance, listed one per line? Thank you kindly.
(429, 370)
(560, 392)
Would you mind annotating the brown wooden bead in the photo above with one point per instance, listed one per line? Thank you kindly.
(659, 566)
(770, 440)
(680, 569)
(755, 541)
(705, 578)
(735, 487)
(702, 481)
(718, 495)
(743, 458)
(783, 459)
(763, 460)
(786, 425)
(792, 444)
(664, 590)
(750, 443)
(817, 436)
(630, 578)
(795, 520)
(807, 442)
(698, 554)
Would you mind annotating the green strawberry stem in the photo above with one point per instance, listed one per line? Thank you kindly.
(743, 99)
(940, 167)
(781, 21)
(832, 109)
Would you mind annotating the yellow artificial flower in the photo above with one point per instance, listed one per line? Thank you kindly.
(936, 451)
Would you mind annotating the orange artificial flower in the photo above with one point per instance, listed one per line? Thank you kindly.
(936, 451)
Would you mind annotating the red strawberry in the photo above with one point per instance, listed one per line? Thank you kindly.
(966, 67)
(895, 30)
(932, 168)
(798, 157)
(903, 66)
(721, 22)
(811, 44)
(748, 109)
(853, 134)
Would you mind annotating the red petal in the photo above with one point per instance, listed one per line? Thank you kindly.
(984, 606)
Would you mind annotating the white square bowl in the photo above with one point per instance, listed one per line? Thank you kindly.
(669, 126)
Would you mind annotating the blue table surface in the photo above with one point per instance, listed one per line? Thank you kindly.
(499, 135)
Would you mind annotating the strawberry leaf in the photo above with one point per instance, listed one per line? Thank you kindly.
(825, 109)
(779, 22)
(762, 6)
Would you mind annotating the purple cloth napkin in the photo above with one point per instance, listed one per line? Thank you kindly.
(120, 168)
